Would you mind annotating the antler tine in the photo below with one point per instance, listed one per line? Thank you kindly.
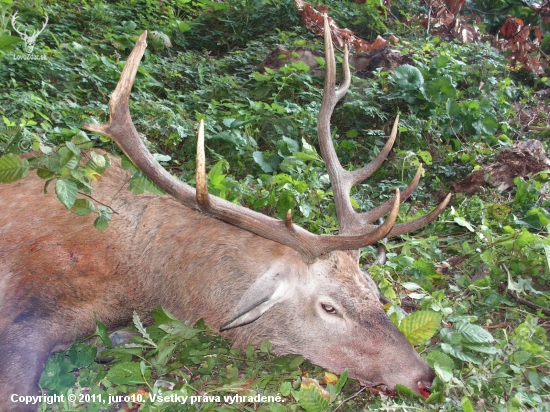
(13, 22)
(203, 199)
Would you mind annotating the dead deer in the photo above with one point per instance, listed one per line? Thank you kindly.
(248, 275)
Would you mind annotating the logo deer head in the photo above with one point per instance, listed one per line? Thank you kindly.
(29, 39)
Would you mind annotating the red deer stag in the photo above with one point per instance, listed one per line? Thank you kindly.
(251, 276)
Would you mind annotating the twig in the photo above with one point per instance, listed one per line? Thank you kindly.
(350, 398)
(101, 203)
(523, 301)
(498, 326)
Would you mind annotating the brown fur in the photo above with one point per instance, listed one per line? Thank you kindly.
(58, 276)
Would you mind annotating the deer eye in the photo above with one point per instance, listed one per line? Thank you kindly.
(328, 309)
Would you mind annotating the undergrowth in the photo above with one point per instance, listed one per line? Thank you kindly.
(474, 268)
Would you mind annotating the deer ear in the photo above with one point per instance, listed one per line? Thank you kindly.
(270, 288)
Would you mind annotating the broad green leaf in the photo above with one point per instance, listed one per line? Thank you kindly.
(521, 356)
(82, 141)
(281, 179)
(179, 329)
(216, 175)
(67, 158)
(473, 333)
(73, 148)
(7, 42)
(420, 326)
(487, 349)
(440, 358)
(408, 77)
(82, 207)
(268, 165)
(66, 191)
(82, 355)
(444, 373)
(139, 184)
(425, 156)
(13, 168)
(406, 391)
(266, 346)
(411, 286)
(459, 353)
(45, 173)
(128, 164)
(313, 398)
(126, 373)
(261, 77)
(341, 382)
(161, 316)
(297, 361)
(103, 333)
(441, 88)
(102, 222)
(461, 222)
(161, 158)
(467, 405)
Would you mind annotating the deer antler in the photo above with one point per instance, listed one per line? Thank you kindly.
(121, 129)
(349, 221)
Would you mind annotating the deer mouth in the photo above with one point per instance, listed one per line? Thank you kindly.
(424, 388)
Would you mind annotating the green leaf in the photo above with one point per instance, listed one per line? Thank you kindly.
(102, 222)
(139, 183)
(82, 207)
(126, 373)
(297, 361)
(261, 77)
(103, 333)
(341, 381)
(266, 346)
(216, 175)
(473, 333)
(267, 165)
(436, 357)
(461, 222)
(161, 158)
(441, 88)
(13, 168)
(411, 286)
(420, 326)
(459, 353)
(425, 156)
(7, 42)
(66, 191)
(73, 148)
(82, 355)
(161, 316)
(406, 391)
(128, 164)
(467, 405)
(313, 398)
(408, 77)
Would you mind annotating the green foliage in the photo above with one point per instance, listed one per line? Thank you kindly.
(458, 104)
(178, 366)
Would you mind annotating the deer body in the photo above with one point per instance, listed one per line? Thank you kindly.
(59, 275)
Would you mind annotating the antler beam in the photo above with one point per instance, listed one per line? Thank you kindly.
(121, 129)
